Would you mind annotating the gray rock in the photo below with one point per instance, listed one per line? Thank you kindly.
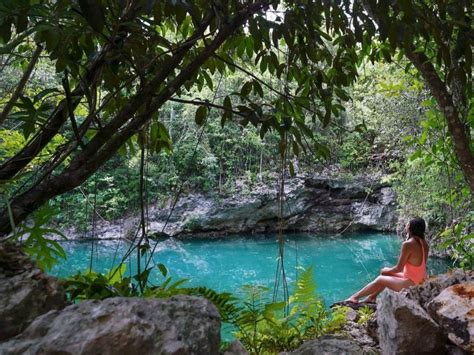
(453, 309)
(372, 328)
(178, 325)
(235, 348)
(432, 287)
(25, 291)
(405, 327)
(358, 333)
(312, 204)
(329, 344)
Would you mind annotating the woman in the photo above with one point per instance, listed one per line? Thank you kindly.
(410, 269)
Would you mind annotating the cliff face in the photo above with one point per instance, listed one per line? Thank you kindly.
(312, 204)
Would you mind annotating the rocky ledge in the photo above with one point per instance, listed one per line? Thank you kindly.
(312, 204)
(436, 317)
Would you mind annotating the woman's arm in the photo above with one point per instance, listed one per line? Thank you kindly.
(402, 260)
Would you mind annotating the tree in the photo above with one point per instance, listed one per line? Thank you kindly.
(123, 60)
(436, 37)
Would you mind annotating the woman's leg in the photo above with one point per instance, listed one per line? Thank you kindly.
(373, 296)
(379, 284)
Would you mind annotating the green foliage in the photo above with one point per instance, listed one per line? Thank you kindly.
(265, 327)
(430, 183)
(36, 238)
(338, 319)
(93, 285)
(459, 240)
(364, 315)
(355, 151)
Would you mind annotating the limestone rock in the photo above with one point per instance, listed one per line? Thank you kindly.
(178, 325)
(358, 333)
(25, 291)
(312, 204)
(329, 345)
(453, 309)
(235, 348)
(372, 328)
(405, 327)
(432, 287)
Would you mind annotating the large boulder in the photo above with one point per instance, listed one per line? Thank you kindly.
(405, 327)
(453, 309)
(329, 345)
(25, 292)
(433, 286)
(178, 325)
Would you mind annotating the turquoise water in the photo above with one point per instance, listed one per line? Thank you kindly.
(341, 265)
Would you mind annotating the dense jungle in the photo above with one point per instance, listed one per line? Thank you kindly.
(218, 177)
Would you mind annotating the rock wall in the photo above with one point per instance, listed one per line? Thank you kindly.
(312, 204)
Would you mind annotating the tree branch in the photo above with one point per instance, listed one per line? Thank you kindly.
(21, 85)
(206, 103)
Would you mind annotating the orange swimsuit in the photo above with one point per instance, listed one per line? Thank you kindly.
(416, 273)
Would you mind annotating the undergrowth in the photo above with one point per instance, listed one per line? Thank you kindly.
(263, 326)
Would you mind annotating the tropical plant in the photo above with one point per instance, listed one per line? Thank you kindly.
(272, 327)
(459, 240)
(37, 238)
(94, 285)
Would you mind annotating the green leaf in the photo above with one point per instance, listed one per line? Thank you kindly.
(201, 115)
(415, 155)
(321, 150)
(246, 89)
(258, 88)
(163, 269)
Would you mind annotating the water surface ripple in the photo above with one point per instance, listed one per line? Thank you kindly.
(341, 264)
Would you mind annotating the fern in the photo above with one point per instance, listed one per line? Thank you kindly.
(305, 288)
(263, 327)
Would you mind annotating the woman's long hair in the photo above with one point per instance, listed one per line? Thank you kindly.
(417, 227)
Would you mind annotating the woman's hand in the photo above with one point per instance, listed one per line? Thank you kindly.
(385, 271)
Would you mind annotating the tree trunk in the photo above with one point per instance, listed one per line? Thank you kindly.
(458, 130)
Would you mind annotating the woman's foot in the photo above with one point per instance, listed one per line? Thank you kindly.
(370, 300)
(352, 299)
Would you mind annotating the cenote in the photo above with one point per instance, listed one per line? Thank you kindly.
(341, 264)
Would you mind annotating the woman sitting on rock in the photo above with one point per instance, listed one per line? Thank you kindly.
(410, 269)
